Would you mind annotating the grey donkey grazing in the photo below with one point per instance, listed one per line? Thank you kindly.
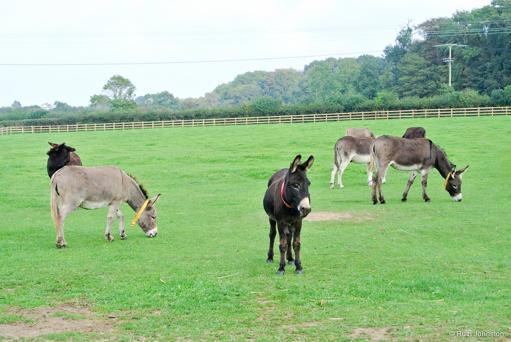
(415, 155)
(100, 187)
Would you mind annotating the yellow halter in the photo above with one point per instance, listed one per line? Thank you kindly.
(139, 212)
(447, 179)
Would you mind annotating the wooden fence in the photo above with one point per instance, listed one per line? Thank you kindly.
(262, 120)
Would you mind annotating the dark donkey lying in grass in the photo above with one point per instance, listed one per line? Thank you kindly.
(59, 156)
(287, 202)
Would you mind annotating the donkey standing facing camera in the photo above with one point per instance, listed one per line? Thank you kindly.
(287, 202)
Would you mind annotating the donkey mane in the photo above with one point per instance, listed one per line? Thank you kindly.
(141, 187)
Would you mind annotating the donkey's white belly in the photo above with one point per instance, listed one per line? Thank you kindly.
(361, 158)
(94, 205)
(413, 167)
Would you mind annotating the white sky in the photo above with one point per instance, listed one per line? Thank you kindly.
(119, 31)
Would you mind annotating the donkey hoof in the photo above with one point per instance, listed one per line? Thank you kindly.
(61, 245)
(332, 185)
(382, 201)
(403, 199)
(290, 262)
(124, 237)
(269, 261)
(427, 199)
(375, 202)
(280, 273)
(300, 271)
(109, 237)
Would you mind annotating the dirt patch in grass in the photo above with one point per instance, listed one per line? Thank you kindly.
(53, 320)
(339, 216)
(374, 334)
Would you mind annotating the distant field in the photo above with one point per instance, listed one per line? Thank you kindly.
(409, 270)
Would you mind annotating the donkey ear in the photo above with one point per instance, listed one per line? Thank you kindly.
(308, 163)
(153, 200)
(52, 144)
(295, 163)
(460, 172)
(70, 149)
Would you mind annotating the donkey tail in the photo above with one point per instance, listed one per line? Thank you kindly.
(372, 161)
(337, 154)
(54, 201)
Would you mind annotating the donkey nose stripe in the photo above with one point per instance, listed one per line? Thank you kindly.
(304, 203)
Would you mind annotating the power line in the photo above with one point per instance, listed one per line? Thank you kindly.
(203, 61)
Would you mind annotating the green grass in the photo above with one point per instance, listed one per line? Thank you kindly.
(424, 270)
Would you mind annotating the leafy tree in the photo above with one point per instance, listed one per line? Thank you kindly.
(417, 77)
(162, 99)
(368, 81)
(100, 102)
(62, 107)
(385, 100)
(119, 88)
(16, 105)
(264, 105)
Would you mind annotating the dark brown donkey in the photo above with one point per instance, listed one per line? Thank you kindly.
(416, 155)
(287, 202)
(414, 133)
(59, 156)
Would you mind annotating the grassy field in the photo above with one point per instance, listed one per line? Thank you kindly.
(409, 270)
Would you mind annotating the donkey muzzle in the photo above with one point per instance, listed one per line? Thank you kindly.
(304, 207)
(152, 233)
(457, 198)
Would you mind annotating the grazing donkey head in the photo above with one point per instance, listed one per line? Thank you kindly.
(295, 188)
(453, 183)
(146, 215)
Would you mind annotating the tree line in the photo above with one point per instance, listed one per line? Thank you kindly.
(410, 74)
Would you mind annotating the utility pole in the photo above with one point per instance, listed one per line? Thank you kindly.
(449, 59)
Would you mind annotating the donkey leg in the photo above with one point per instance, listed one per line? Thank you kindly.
(369, 174)
(373, 188)
(296, 246)
(381, 175)
(283, 232)
(289, 253)
(344, 164)
(332, 176)
(413, 174)
(62, 212)
(109, 221)
(384, 178)
(58, 221)
(122, 230)
(273, 233)
(425, 196)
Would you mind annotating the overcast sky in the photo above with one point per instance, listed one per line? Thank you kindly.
(189, 34)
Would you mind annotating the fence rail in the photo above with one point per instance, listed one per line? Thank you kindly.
(262, 120)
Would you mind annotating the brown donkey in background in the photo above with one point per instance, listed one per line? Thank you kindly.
(59, 156)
